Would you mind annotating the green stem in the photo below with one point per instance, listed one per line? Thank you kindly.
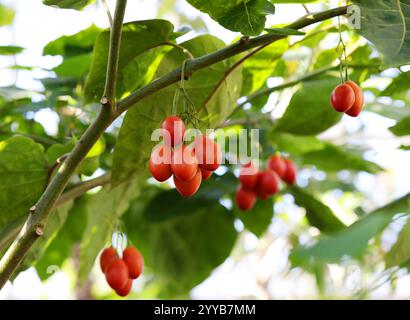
(114, 54)
(34, 226)
(309, 76)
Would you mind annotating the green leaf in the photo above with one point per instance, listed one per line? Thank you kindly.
(389, 111)
(259, 218)
(142, 45)
(68, 4)
(181, 250)
(245, 16)
(258, 68)
(10, 50)
(23, 174)
(73, 45)
(333, 158)
(353, 240)
(134, 144)
(55, 222)
(309, 111)
(76, 67)
(402, 128)
(6, 15)
(318, 214)
(399, 85)
(103, 211)
(386, 24)
(296, 145)
(399, 254)
(62, 245)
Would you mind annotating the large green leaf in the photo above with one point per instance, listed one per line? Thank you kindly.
(259, 218)
(386, 24)
(134, 144)
(402, 128)
(181, 250)
(353, 240)
(399, 254)
(68, 4)
(296, 145)
(245, 16)
(333, 158)
(399, 85)
(23, 173)
(258, 68)
(103, 212)
(141, 45)
(62, 245)
(72, 45)
(318, 214)
(309, 111)
(6, 15)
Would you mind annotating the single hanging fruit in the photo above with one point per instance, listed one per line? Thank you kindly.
(268, 182)
(248, 176)
(173, 131)
(134, 261)
(343, 98)
(184, 163)
(357, 107)
(107, 256)
(160, 163)
(245, 199)
(117, 274)
(208, 153)
(188, 188)
(124, 291)
(276, 164)
(291, 171)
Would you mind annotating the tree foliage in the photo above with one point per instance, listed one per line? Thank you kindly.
(184, 240)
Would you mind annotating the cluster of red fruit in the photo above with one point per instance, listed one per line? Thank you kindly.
(188, 165)
(263, 184)
(348, 98)
(119, 273)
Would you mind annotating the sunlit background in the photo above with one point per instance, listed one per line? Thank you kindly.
(258, 268)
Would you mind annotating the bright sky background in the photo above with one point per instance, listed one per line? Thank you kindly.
(36, 25)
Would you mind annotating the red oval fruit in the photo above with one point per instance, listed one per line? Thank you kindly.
(248, 176)
(174, 130)
(188, 188)
(357, 107)
(343, 98)
(184, 163)
(277, 164)
(268, 183)
(245, 199)
(205, 174)
(134, 261)
(124, 291)
(208, 153)
(107, 256)
(117, 274)
(291, 171)
(261, 194)
(160, 163)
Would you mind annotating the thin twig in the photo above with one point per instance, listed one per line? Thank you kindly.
(107, 10)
